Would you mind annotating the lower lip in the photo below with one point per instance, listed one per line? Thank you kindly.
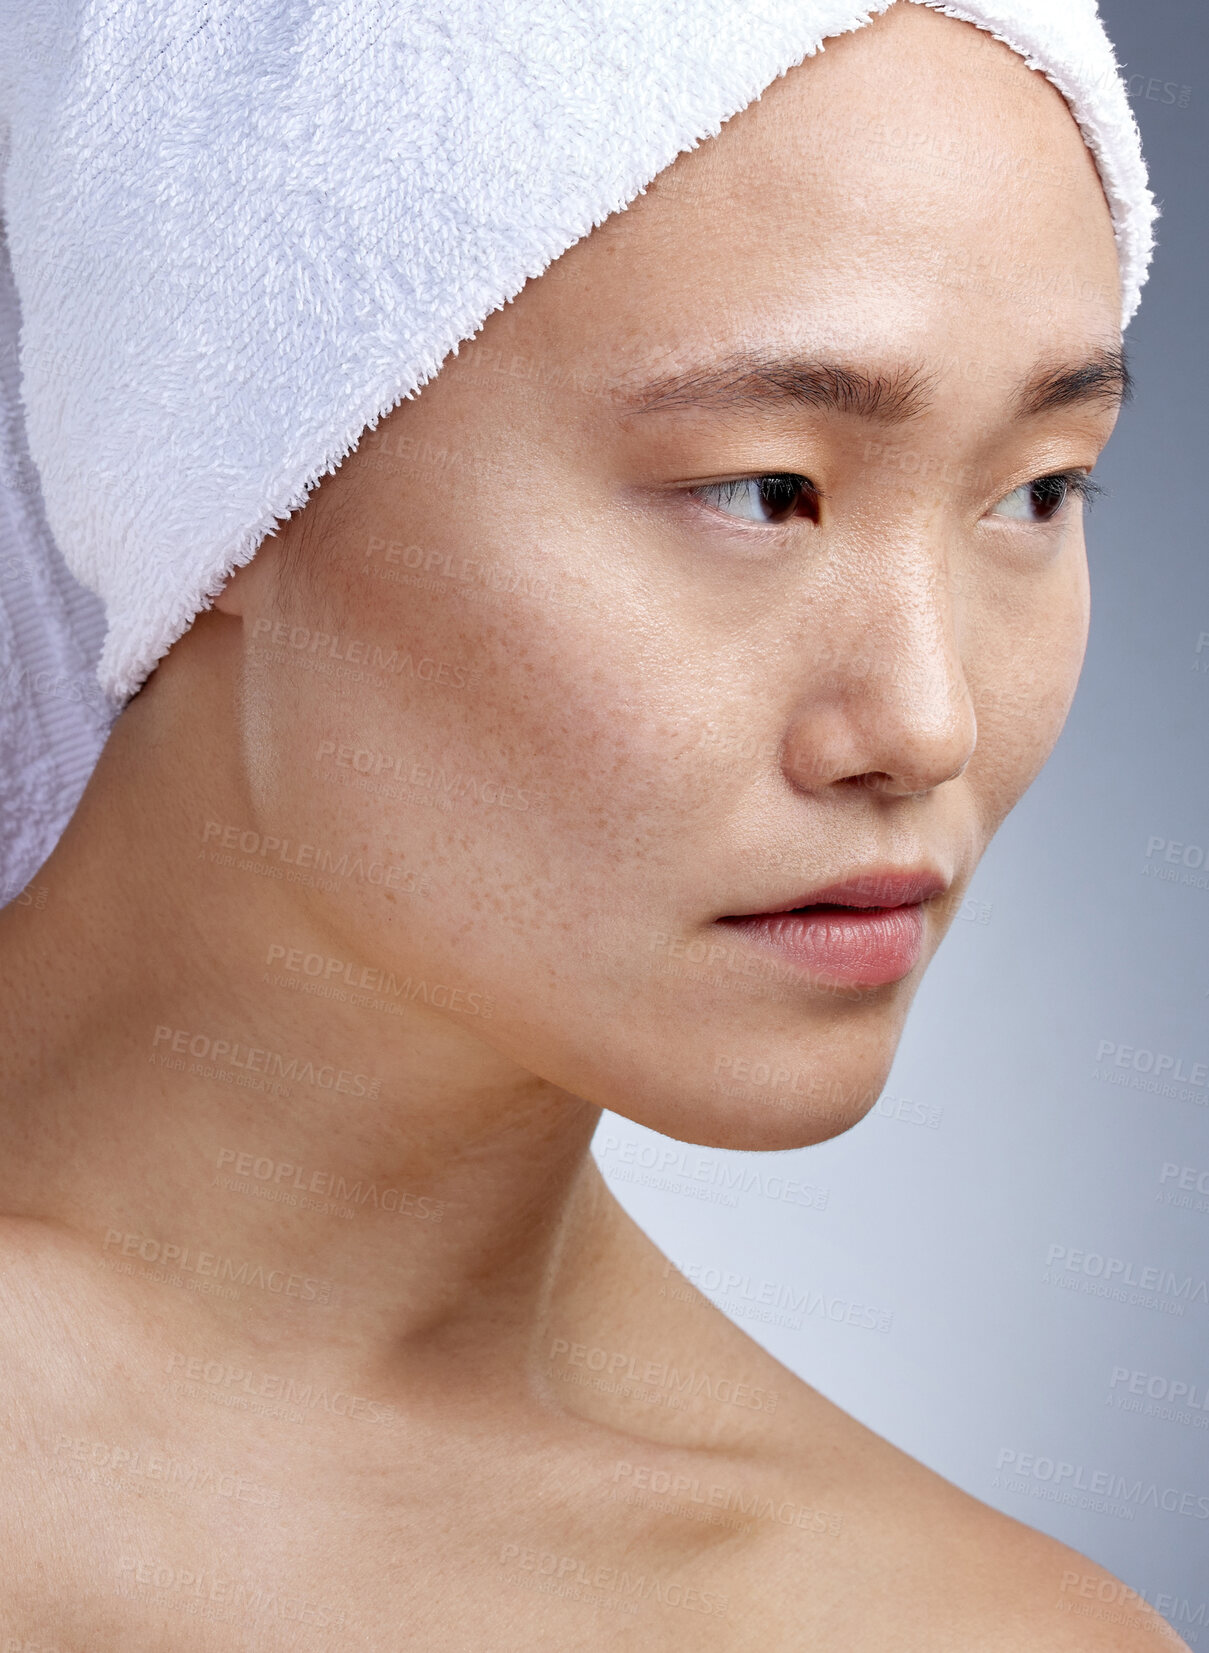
(863, 946)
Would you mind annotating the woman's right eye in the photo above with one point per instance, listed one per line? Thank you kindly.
(770, 499)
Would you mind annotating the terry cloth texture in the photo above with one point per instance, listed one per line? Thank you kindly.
(241, 232)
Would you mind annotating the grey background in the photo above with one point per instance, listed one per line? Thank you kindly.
(948, 1223)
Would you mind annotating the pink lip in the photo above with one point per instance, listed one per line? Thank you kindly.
(867, 931)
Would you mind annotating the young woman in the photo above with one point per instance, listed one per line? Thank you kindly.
(469, 810)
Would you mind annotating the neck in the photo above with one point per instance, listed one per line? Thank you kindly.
(206, 1084)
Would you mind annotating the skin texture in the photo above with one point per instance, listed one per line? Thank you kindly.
(695, 717)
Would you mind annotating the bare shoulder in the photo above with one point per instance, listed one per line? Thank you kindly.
(819, 1532)
(937, 1570)
(816, 1532)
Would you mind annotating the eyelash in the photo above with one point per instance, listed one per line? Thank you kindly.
(1077, 483)
(1080, 483)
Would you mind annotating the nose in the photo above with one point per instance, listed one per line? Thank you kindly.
(884, 701)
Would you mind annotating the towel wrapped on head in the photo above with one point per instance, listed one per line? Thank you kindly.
(242, 235)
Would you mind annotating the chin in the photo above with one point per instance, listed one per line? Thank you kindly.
(754, 1102)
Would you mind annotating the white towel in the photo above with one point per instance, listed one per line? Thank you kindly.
(241, 233)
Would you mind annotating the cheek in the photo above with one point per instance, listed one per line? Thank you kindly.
(493, 712)
(1024, 665)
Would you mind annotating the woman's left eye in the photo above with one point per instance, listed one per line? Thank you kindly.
(773, 498)
(1042, 499)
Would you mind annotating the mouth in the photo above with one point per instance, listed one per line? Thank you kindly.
(866, 931)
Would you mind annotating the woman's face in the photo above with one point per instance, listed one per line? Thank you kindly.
(524, 643)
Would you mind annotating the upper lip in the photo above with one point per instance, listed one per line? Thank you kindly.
(873, 887)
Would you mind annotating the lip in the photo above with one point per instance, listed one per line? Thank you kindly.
(874, 887)
(864, 931)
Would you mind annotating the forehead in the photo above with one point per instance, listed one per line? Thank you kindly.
(914, 181)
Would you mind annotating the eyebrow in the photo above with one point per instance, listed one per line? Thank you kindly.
(1103, 377)
(751, 379)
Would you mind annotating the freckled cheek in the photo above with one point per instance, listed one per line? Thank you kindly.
(563, 732)
(609, 721)
(1022, 701)
(605, 753)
